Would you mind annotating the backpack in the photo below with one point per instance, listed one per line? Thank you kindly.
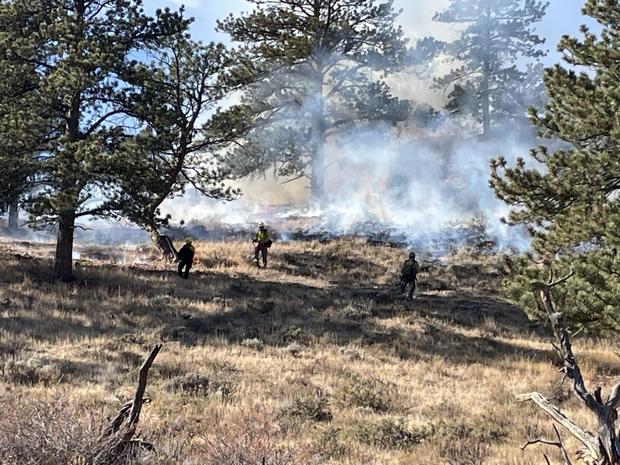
(410, 269)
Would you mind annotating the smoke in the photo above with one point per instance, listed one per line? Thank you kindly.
(427, 192)
(407, 184)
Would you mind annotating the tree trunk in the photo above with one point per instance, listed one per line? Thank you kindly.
(486, 76)
(63, 263)
(317, 180)
(13, 217)
(317, 183)
(164, 243)
(486, 102)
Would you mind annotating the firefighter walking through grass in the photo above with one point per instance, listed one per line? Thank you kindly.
(262, 242)
(409, 275)
(186, 258)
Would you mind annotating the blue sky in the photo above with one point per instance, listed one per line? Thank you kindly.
(563, 17)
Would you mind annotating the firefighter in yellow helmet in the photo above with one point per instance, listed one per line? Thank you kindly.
(262, 242)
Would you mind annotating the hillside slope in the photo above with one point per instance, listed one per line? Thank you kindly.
(315, 360)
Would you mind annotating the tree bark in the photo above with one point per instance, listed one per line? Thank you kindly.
(486, 76)
(63, 263)
(164, 243)
(317, 181)
(602, 448)
(13, 217)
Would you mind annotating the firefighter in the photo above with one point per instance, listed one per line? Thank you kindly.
(186, 258)
(408, 275)
(262, 242)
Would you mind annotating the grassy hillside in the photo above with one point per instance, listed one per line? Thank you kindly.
(316, 360)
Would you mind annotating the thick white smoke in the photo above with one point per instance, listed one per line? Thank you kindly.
(401, 186)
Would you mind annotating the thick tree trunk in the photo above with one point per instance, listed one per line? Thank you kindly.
(63, 263)
(317, 180)
(13, 217)
(164, 243)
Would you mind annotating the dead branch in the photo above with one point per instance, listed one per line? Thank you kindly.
(602, 448)
(138, 399)
(559, 444)
(587, 439)
(119, 438)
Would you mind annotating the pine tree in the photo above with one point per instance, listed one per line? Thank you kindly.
(570, 197)
(184, 81)
(24, 119)
(486, 83)
(315, 67)
(114, 120)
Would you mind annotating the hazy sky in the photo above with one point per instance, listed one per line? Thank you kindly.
(563, 17)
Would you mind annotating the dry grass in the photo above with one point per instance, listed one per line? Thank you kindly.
(315, 360)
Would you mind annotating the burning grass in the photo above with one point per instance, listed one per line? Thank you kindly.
(314, 360)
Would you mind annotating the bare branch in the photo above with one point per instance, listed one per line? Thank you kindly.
(587, 439)
(614, 396)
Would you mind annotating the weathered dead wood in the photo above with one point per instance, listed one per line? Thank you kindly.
(119, 438)
(602, 448)
(166, 247)
(559, 444)
(587, 439)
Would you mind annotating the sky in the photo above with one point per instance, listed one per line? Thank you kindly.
(563, 17)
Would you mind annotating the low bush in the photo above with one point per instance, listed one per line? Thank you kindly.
(392, 433)
(370, 393)
(313, 407)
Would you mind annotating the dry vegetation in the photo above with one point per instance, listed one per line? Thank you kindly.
(315, 360)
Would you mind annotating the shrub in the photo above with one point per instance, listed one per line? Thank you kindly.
(248, 439)
(462, 447)
(254, 343)
(358, 311)
(314, 407)
(368, 393)
(199, 384)
(31, 371)
(390, 433)
(47, 433)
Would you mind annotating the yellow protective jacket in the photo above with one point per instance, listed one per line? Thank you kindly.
(262, 236)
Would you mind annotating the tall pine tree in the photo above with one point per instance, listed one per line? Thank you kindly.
(486, 82)
(316, 67)
(570, 197)
(25, 118)
(119, 126)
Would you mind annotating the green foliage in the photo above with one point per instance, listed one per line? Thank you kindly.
(25, 117)
(183, 81)
(486, 82)
(122, 94)
(569, 197)
(313, 73)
